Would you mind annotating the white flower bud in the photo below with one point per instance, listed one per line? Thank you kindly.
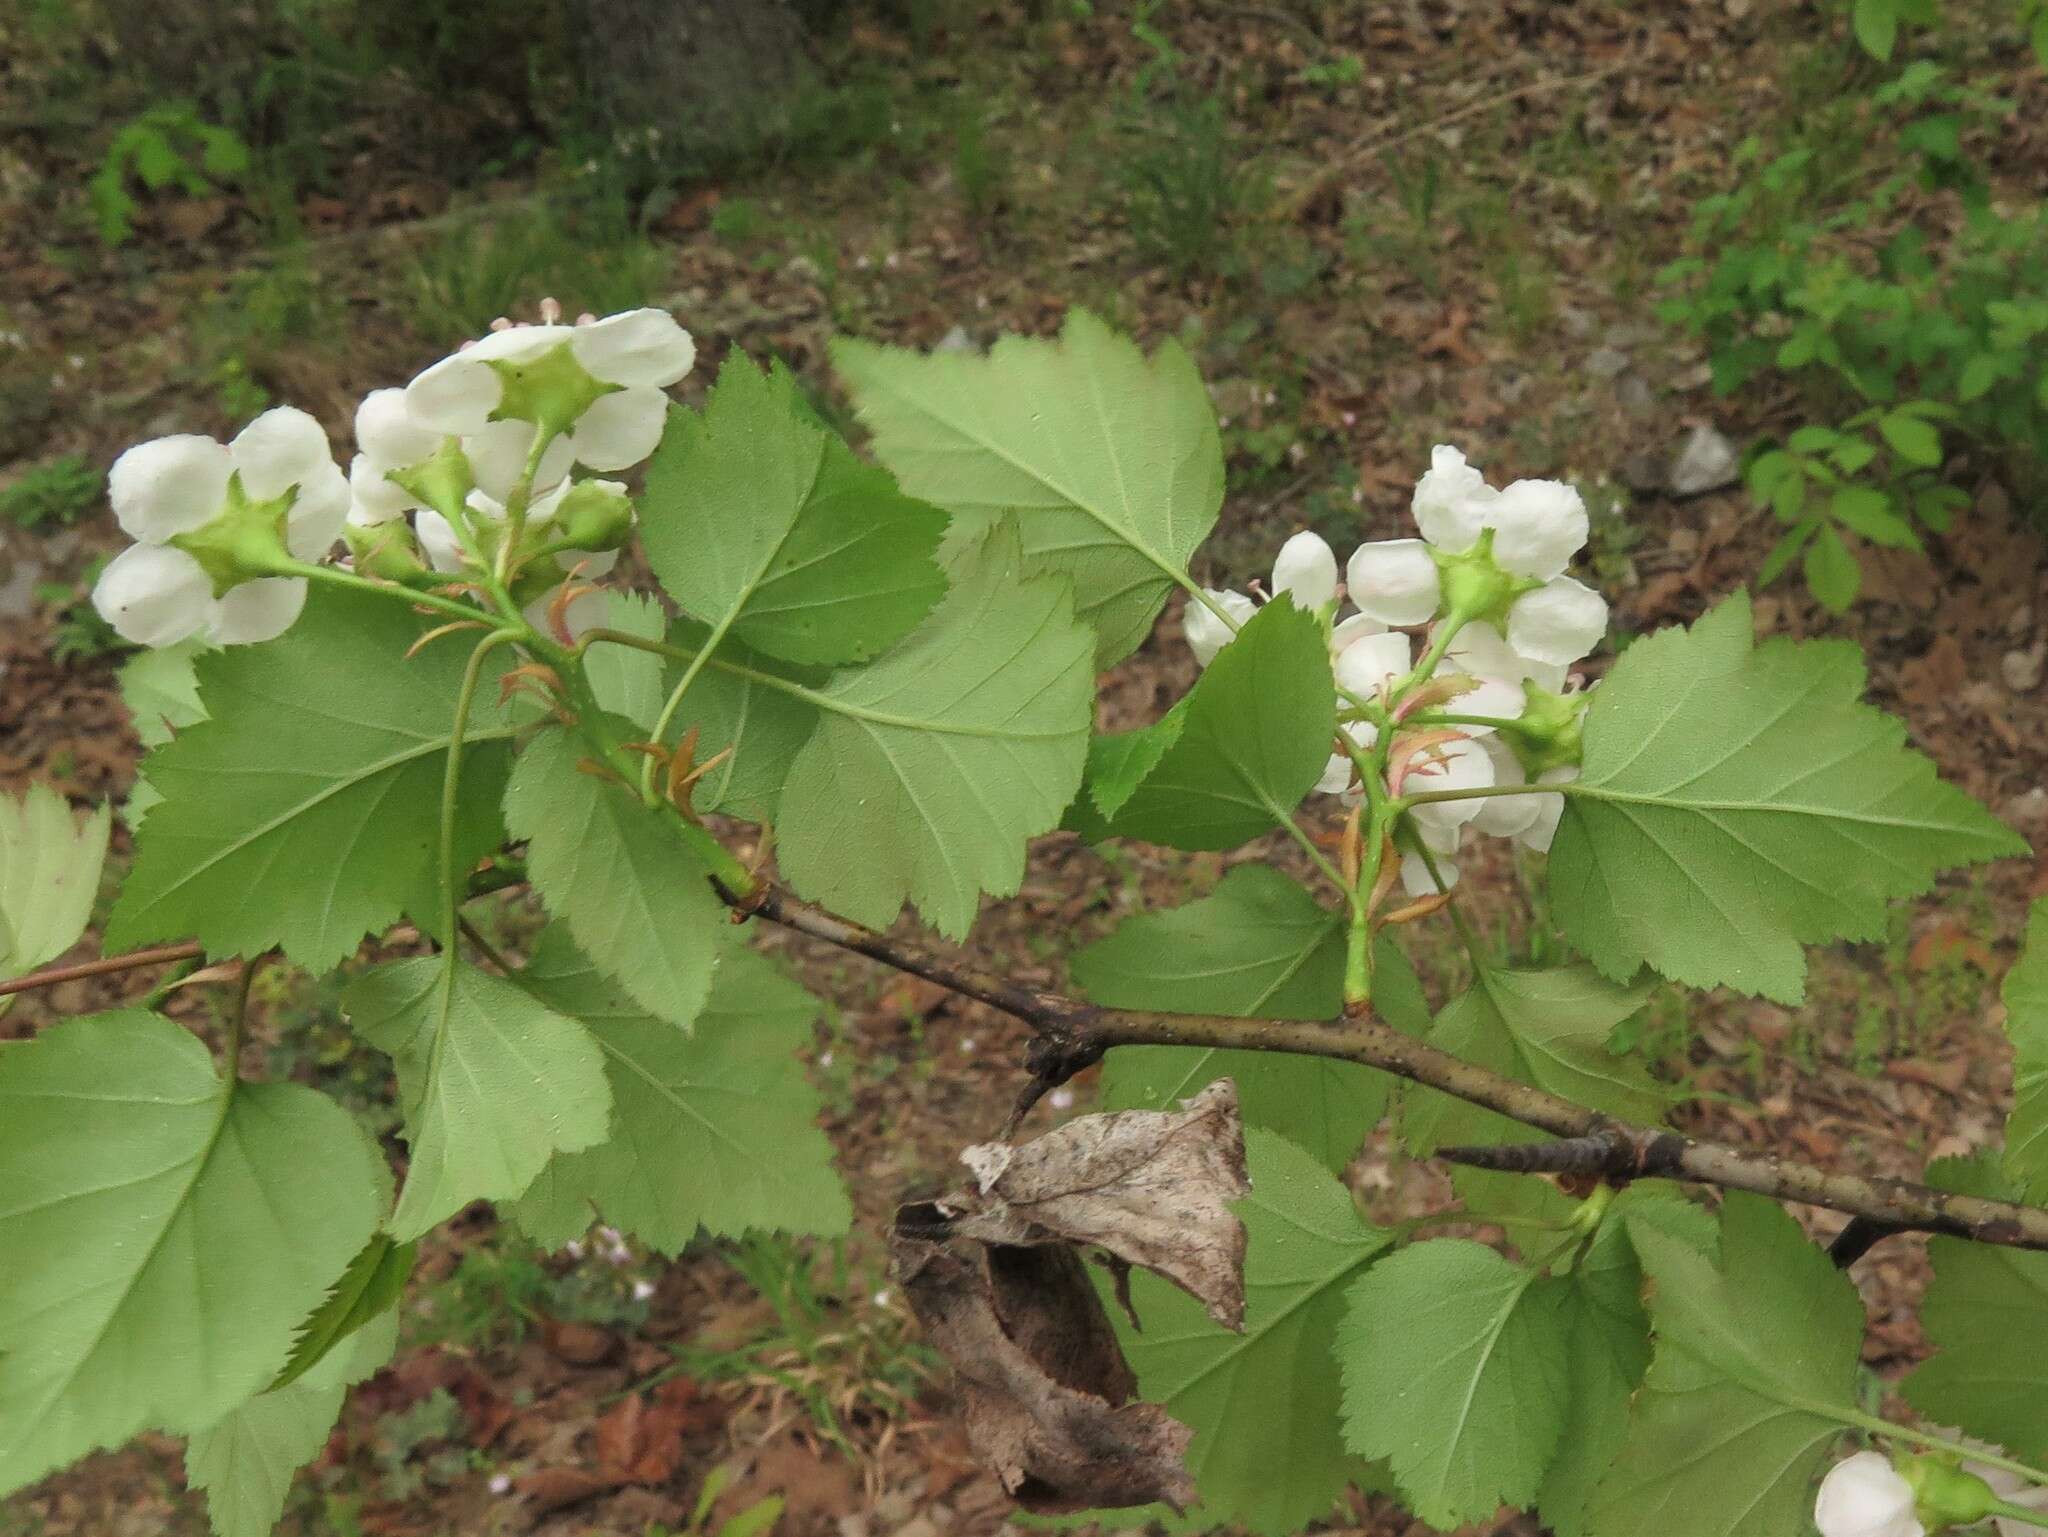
(1394, 580)
(1538, 526)
(154, 595)
(387, 434)
(1459, 764)
(1557, 623)
(1451, 500)
(169, 486)
(282, 448)
(259, 610)
(1205, 632)
(1865, 1496)
(1542, 828)
(1306, 570)
(373, 497)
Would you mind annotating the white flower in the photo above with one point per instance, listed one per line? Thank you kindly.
(1306, 570)
(1372, 662)
(1538, 526)
(1865, 1496)
(500, 1483)
(1542, 827)
(1339, 772)
(1458, 764)
(620, 429)
(638, 350)
(498, 452)
(1557, 623)
(443, 548)
(259, 610)
(373, 497)
(1394, 581)
(154, 595)
(1451, 501)
(642, 1290)
(1345, 631)
(169, 486)
(1206, 633)
(1505, 816)
(1480, 650)
(387, 433)
(1494, 699)
(1442, 844)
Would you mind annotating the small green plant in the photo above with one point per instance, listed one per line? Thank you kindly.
(1177, 172)
(168, 146)
(981, 169)
(1878, 23)
(758, 1518)
(77, 632)
(59, 491)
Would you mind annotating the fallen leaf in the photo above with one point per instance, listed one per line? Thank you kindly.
(577, 1343)
(552, 1488)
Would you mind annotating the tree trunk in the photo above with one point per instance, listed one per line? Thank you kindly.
(691, 81)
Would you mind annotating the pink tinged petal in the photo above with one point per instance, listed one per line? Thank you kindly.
(635, 347)
(620, 429)
(1503, 816)
(1542, 827)
(1538, 526)
(1357, 627)
(1207, 634)
(1306, 570)
(444, 551)
(1394, 581)
(169, 486)
(1416, 879)
(374, 498)
(280, 449)
(317, 513)
(257, 611)
(1451, 501)
(1370, 662)
(388, 435)
(154, 595)
(456, 395)
(497, 457)
(1459, 764)
(1480, 650)
(1557, 623)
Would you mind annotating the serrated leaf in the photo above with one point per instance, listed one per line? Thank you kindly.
(1985, 1312)
(717, 1130)
(1752, 1379)
(244, 1463)
(1738, 802)
(493, 1082)
(755, 711)
(764, 526)
(1120, 761)
(49, 874)
(1260, 947)
(1456, 1372)
(930, 769)
(368, 1288)
(626, 680)
(1262, 1404)
(1111, 463)
(2026, 1025)
(637, 898)
(1255, 737)
(166, 1233)
(160, 687)
(1547, 1027)
(334, 745)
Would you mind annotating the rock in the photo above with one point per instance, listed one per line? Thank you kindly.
(2022, 669)
(956, 340)
(1606, 362)
(1634, 395)
(1706, 461)
(2029, 809)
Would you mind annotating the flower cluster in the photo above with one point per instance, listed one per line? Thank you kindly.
(467, 473)
(1870, 1495)
(1486, 702)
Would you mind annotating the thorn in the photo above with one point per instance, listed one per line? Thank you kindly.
(438, 631)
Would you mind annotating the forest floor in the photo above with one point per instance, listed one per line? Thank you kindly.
(1433, 223)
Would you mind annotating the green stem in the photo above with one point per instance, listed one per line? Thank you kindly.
(1883, 1427)
(1478, 792)
(1439, 644)
(1444, 718)
(334, 576)
(2020, 1513)
(675, 702)
(238, 1022)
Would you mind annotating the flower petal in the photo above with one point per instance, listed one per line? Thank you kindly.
(497, 456)
(1459, 764)
(257, 611)
(1480, 649)
(388, 435)
(1557, 623)
(586, 611)
(169, 486)
(1451, 501)
(280, 449)
(373, 498)
(1394, 581)
(1306, 570)
(1206, 634)
(1491, 698)
(591, 563)
(1549, 810)
(1336, 776)
(443, 550)
(154, 595)
(1369, 662)
(317, 513)
(1538, 526)
(1503, 816)
(1865, 1496)
(456, 395)
(1416, 879)
(635, 347)
(516, 344)
(1357, 627)
(620, 429)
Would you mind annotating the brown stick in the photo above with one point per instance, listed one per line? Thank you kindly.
(133, 960)
(1073, 1034)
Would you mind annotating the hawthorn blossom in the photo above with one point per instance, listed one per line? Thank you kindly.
(1305, 569)
(168, 492)
(1865, 1496)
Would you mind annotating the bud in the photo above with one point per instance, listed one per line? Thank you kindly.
(385, 550)
(1551, 728)
(1946, 1495)
(595, 515)
(1864, 1496)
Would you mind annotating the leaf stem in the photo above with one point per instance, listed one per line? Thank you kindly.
(667, 717)
(334, 576)
(238, 1020)
(1878, 1426)
(2013, 1512)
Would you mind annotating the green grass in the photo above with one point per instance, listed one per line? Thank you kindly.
(57, 492)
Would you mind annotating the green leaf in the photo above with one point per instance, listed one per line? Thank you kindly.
(1121, 761)
(1876, 23)
(766, 527)
(165, 1232)
(1832, 574)
(334, 746)
(1112, 464)
(754, 710)
(1260, 947)
(160, 687)
(1986, 1314)
(1546, 1027)
(930, 768)
(368, 1289)
(1263, 1404)
(49, 873)
(245, 1462)
(494, 1083)
(1913, 440)
(1738, 802)
(626, 680)
(1980, 376)
(1753, 1377)
(637, 898)
(1871, 513)
(2026, 1024)
(1455, 1370)
(718, 1129)
(1255, 738)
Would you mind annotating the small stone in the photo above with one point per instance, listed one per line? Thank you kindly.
(2022, 669)
(1707, 461)
(1635, 395)
(956, 340)
(1606, 362)
(801, 269)
(2028, 809)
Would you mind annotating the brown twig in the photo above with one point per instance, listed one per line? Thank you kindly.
(1072, 1035)
(134, 960)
